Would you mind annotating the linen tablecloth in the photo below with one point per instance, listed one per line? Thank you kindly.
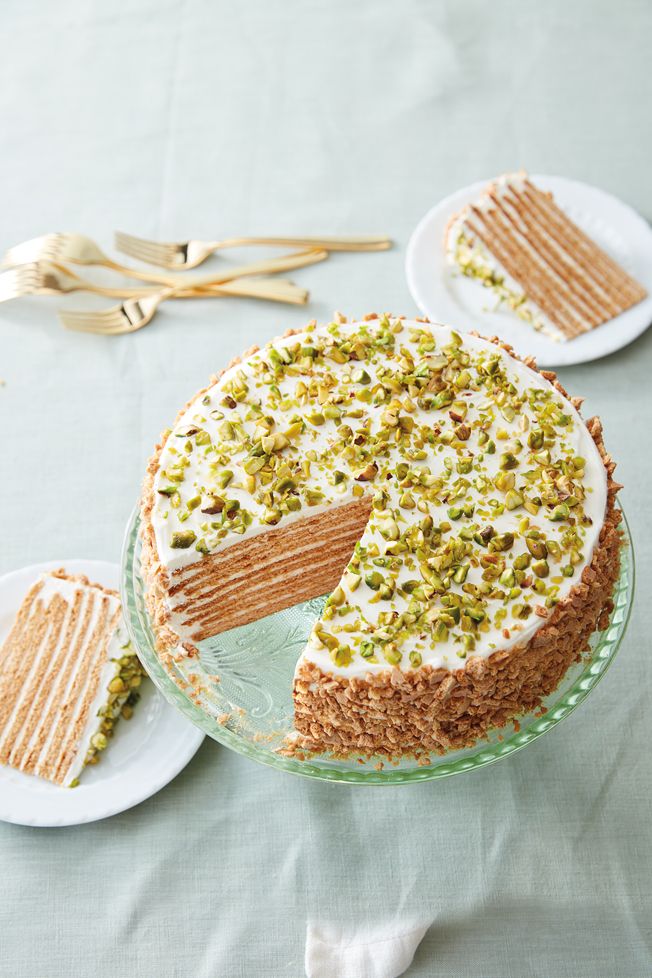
(179, 118)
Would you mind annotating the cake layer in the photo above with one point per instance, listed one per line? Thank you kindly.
(268, 573)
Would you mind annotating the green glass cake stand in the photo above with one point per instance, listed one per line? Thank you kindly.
(250, 708)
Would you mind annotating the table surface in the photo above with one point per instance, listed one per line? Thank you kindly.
(179, 118)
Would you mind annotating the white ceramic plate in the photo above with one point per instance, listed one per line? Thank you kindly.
(146, 753)
(463, 302)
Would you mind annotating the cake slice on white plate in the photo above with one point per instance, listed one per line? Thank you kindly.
(67, 673)
(517, 242)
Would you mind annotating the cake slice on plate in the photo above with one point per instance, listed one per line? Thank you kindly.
(67, 672)
(515, 240)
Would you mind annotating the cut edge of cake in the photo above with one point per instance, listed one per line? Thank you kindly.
(158, 579)
(295, 570)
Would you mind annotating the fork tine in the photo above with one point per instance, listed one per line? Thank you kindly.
(46, 246)
(127, 317)
(150, 255)
(140, 253)
(91, 322)
(143, 254)
(140, 248)
(85, 327)
(162, 247)
(9, 287)
(19, 281)
(110, 331)
(99, 314)
(92, 328)
(122, 240)
(107, 317)
(29, 274)
(90, 325)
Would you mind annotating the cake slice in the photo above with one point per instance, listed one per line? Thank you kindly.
(516, 241)
(67, 672)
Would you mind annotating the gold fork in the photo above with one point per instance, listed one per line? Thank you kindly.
(76, 248)
(189, 254)
(46, 278)
(80, 250)
(133, 314)
(49, 278)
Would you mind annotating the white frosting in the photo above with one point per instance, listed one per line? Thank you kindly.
(574, 440)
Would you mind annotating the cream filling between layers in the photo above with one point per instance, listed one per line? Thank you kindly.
(576, 441)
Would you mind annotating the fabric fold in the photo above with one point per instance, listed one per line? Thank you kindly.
(379, 952)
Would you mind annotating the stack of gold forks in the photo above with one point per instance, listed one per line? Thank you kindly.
(41, 267)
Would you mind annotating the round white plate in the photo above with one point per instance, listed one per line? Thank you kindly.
(146, 753)
(464, 303)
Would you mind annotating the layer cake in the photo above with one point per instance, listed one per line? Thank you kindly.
(447, 495)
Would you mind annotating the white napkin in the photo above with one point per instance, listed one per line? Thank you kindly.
(379, 952)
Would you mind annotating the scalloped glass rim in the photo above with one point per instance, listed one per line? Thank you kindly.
(559, 704)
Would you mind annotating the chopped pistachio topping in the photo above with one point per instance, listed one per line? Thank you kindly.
(182, 539)
(122, 695)
(473, 260)
(476, 477)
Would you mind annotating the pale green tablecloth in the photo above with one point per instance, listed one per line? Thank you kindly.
(177, 118)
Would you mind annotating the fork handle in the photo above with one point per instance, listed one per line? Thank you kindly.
(272, 289)
(105, 290)
(268, 266)
(276, 290)
(283, 264)
(247, 288)
(365, 242)
(167, 280)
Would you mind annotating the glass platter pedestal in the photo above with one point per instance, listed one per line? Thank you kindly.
(250, 708)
